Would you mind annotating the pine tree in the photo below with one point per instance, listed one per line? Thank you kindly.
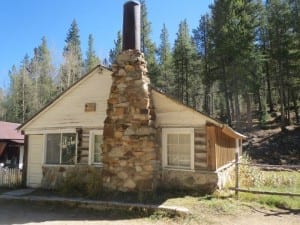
(281, 39)
(92, 59)
(42, 73)
(19, 102)
(147, 46)
(186, 66)
(2, 105)
(233, 28)
(113, 53)
(72, 68)
(201, 37)
(165, 78)
(295, 56)
(12, 105)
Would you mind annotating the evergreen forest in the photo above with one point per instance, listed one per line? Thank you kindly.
(241, 62)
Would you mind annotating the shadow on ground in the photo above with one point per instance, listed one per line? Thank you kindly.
(23, 212)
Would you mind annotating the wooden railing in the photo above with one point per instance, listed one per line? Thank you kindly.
(10, 177)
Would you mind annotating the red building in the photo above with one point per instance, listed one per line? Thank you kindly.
(11, 145)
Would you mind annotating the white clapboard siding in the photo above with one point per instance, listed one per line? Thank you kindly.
(69, 110)
(35, 159)
(171, 113)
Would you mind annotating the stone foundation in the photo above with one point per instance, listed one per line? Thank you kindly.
(130, 155)
(55, 176)
(202, 181)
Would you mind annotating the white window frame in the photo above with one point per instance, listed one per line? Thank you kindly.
(91, 146)
(165, 132)
(61, 132)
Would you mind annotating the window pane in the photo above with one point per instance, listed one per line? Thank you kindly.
(179, 150)
(184, 139)
(68, 147)
(185, 158)
(173, 155)
(97, 148)
(172, 138)
(53, 146)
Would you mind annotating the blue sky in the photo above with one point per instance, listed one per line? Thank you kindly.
(24, 22)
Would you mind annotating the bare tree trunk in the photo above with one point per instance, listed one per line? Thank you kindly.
(237, 109)
(270, 100)
(281, 99)
(232, 109)
(207, 100)
(260, 107)
(295, 105)
(249, 112)
(23, 97)
(227, 98)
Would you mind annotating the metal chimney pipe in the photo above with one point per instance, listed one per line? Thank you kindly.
(132, 26)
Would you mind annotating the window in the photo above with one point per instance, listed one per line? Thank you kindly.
(60, 148)
(178, 148)
(96, 140)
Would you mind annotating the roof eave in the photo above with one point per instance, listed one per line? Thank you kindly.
(232, 133)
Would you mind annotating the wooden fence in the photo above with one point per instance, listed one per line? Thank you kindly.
(237, 188)
(10, 177)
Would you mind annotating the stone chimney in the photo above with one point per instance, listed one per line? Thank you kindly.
(130, 154)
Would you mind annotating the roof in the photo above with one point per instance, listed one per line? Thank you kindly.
(225, 128)
(8, 131)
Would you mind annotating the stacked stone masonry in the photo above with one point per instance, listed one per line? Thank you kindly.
(130, 158)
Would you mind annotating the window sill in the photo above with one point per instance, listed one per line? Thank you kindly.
(56, 165)
(97, 164)
(178, 169)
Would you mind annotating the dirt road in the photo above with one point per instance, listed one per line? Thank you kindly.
(19, 212)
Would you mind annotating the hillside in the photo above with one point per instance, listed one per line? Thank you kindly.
(270, 145)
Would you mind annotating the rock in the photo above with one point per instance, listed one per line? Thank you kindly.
(129, 184)
(116, 152)
(118, 134)
(129, 131)
(121, 72)
(129, 68)
(122, 175)
(123, 163)
(138, 168)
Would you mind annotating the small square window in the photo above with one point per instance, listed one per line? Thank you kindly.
(60, 148)
(178, 148)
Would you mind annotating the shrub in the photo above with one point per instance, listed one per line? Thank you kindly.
(254, 177)
(82, 181)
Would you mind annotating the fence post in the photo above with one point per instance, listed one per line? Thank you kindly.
(237, 169)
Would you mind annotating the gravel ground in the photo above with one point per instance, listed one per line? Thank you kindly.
(20, 212)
